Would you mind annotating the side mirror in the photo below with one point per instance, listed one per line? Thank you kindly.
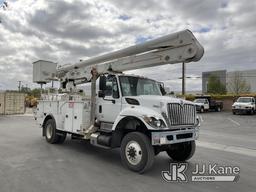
(101, 94)
(103, 81)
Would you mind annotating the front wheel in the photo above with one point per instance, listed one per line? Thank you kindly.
(137, 153)
(182, 151)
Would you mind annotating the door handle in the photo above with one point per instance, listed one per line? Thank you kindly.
(100, 108)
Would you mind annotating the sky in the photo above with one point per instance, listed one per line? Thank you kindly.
(65, 31)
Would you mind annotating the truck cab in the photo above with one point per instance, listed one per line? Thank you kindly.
(140, 97)
(202, 104)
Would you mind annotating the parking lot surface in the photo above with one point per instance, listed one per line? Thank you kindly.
(28, 163)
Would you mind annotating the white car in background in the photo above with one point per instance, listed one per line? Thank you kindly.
(244, 105)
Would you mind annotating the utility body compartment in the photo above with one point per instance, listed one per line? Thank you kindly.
(70, 115)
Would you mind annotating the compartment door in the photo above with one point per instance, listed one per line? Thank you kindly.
(78, 117)
(68, 115)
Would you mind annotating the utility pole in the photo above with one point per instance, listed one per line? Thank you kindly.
(19, 85)
(183, 78)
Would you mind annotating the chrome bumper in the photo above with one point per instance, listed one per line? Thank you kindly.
(171, 137)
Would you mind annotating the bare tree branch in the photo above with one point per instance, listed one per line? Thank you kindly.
(237, 84)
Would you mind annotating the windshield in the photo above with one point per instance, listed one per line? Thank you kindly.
(244, 100)
(134, 86)
(199, 100)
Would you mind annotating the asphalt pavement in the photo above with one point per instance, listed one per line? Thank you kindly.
(28, 163)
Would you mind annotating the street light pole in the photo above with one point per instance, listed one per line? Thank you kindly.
(19, 85)
(183, 78)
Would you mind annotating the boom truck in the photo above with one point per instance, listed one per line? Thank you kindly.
(123, 111)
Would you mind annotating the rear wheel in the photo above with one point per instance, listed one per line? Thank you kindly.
(137, 153)
(182, 151)
(218, 109)
(201, 110)
(51, 134)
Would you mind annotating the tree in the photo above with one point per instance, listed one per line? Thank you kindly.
(35, 92)
(237, 84)
(215, 86)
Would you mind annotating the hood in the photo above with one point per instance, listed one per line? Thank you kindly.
(198, 104)
(157, 101)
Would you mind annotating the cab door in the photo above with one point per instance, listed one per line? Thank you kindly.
(109, 106)
(206, 104)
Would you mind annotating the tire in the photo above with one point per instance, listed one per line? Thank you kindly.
(182, 151)
(137, 153)
(252, 111)
(201, 110)
(234, 113)
(218, 109)
(51, 132)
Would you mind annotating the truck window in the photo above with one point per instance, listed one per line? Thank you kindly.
(244, 100)
(111, 87)
(134, 86)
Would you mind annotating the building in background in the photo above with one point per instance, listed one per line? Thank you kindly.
(229, 78)
(221, 75)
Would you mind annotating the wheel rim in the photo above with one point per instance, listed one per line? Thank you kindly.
(49, 130)
(133, 152)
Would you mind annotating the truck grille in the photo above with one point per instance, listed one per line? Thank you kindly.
(182, 114)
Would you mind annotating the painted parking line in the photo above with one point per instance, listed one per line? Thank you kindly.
(233, 121)
(227, 148)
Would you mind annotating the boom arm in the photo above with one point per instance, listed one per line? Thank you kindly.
(174, 48)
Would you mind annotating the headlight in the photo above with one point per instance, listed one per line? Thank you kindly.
(154, 122)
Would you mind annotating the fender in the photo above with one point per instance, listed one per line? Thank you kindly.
(48, 116)
(137, 112)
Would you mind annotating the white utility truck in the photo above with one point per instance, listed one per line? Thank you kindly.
(125, 111)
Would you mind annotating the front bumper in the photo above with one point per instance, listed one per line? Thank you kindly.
(242, 110)
(172, 137)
